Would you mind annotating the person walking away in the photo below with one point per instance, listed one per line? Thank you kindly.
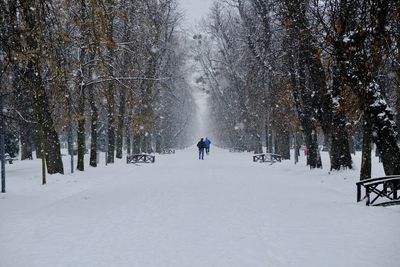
(207, 144)
(201, 147)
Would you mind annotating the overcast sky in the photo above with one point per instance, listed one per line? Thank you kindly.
(195, 9)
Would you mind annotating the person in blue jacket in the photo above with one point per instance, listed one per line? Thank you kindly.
(201, 145)
(207, 144)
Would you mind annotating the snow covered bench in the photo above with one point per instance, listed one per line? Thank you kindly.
(9, 159)
(385, 188)
(267, 157)
(168, 151)
(140, 158)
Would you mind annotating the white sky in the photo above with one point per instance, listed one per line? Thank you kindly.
(195, 9)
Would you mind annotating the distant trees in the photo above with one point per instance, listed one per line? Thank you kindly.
(274, 67)
(100, 72)
(236, 94)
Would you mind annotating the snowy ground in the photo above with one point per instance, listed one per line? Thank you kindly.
(224, 211)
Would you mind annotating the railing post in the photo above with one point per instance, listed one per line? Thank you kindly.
(394, 185)
(358, 192)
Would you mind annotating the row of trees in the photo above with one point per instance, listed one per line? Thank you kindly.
(108, 73)
(323, 68)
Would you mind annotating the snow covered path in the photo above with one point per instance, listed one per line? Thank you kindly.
(224, 211)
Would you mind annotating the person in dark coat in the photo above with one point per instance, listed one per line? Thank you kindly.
(201, 146)
(207, 144)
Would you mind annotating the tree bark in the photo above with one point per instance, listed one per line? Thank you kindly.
(283, 137)
(384, 131)
(111, 126)
(40, 99)
(159, 144)
(81, 142)
(24, 97)
(307, 116)
(137, 144)
(121, 121)
(128, 144)
(111, 99)
(45, 122)
(81, 128)
(93, 128)
(365, 171)
(26, 133)
(258, 149)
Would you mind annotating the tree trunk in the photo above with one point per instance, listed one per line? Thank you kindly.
(268, 137)
(82, 90)
(42, 151)
(45, 123)
(296, 148)
(365, 171)
(128, 144)
(352, 145)
(111, 109)
(36, 142)
(314, 157)
(146, 109)
(111, 126)
(93, 128)
(26, 140)
(81, 129)
(398, 98)
(121, 121)
(307, 114)
(71, 145)
(284, 144)
(303, 97)
(384, 131)
(70, 133)
(340, 149)
(258, 149)
(159, 144)
(40, 99)
(147, 143)
(137, 144)
(24, 97)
